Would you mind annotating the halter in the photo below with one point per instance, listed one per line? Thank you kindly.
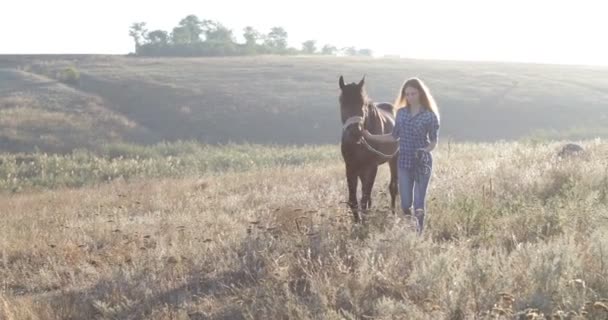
(360, 120)
(352, 120)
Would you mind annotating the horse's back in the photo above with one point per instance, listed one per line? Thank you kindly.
(387, 115)
(388, 107)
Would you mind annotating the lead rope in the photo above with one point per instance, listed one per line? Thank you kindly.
(379, 153)
(358, 119)
(422, 164)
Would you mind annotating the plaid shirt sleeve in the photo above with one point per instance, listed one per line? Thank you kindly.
(397, 127)
(433, 128)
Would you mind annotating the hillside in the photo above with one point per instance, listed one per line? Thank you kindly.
(40, 112)
(286, 100)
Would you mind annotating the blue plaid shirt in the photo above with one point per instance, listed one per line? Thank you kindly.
(414, 132)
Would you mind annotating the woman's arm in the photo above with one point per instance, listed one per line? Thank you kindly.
(433, 133)
(385, 138)
(380, 138)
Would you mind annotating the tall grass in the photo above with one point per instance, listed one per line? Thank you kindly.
(27, 171)
(513, 233)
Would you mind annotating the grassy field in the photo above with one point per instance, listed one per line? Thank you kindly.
(294, 100)
(23, 172)
(513, 233)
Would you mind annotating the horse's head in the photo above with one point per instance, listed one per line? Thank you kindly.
(353, 103)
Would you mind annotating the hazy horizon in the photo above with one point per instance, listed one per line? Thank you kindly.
(542, 31)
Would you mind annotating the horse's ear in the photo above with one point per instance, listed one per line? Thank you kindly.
(341, 83)
(362, 82)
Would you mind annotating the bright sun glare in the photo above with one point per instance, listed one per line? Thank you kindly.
(571, 32)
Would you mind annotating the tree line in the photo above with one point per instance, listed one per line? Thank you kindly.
(198, 37)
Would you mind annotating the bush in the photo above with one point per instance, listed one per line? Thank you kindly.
(70, 76)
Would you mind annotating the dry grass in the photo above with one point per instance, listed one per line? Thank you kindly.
(26, 172)
(513, 233)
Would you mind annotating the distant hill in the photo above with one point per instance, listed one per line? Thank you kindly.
(280, 99)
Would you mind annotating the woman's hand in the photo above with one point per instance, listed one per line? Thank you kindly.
(430, 147)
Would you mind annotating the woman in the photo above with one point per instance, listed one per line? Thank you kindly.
(416, 129)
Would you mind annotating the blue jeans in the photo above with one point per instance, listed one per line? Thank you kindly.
(412, 188)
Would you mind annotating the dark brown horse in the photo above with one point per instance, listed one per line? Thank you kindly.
(361, 157)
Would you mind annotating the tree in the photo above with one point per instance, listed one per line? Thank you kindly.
(329, 50)
(276, 40)
(349, 51)
(180, 35)
(309, 47)
(138, 32)
(158, 37)
(365, 52)
(215, 31)
(195, 37)
(193, 26)
(218, 39)
(251, 36)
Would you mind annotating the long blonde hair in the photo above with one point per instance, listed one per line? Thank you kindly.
(426, 98)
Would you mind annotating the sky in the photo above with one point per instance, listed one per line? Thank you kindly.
(542, 31)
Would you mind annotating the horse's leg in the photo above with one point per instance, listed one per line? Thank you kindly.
(393, 186)
(352, 181)
(367, 180)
